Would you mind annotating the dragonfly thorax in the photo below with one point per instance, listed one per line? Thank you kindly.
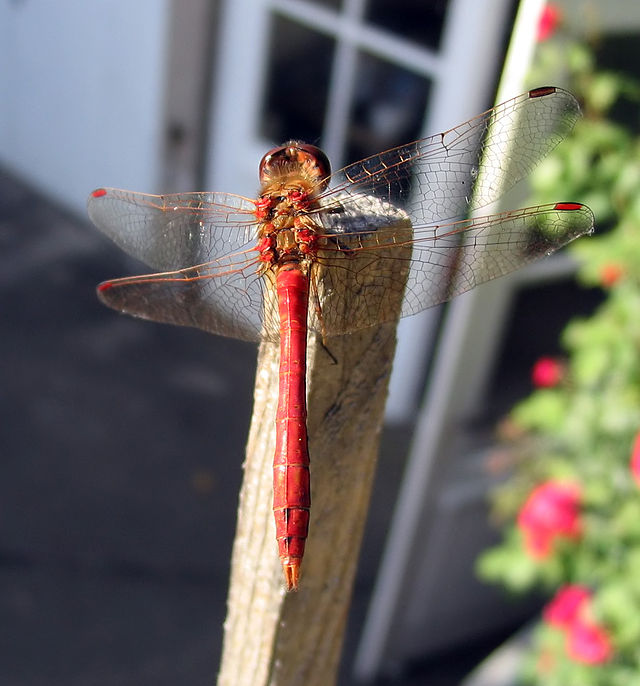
(286, 242)
(280, 201)
(287, 238)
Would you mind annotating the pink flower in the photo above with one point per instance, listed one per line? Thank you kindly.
(564, 607)
(550, 512)
(588, 642)
(635, 460)
(547, 372)
(549, 21)
(570, 611)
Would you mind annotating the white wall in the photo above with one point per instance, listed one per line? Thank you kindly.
(81, 94)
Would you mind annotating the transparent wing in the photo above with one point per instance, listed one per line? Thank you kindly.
(359, 275)
(226, 297)
(174, 231)
(389, 231)
(207, 241)
(442, 177)
(360, 278)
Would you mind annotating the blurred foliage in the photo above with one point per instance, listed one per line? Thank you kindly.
(584, 428)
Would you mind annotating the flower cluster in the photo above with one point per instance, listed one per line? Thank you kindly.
(552, 511)
(576, 437)
(570, 611)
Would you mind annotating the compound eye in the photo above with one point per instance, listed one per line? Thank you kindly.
(295, 157)
(311, 154)
(271, 160)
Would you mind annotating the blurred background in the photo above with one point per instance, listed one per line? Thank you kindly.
(122, 441)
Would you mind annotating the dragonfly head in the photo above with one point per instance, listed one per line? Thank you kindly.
(296, 160)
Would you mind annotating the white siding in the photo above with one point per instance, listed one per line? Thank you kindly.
(82, 94)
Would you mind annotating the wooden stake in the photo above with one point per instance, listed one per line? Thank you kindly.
(271, 637)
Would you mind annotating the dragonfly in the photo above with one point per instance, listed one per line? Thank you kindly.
(319, 253)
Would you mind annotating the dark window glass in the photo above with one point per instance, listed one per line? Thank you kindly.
(559, 301)
(388, 107)
(418, 20)
(620, 52)
(297, 83)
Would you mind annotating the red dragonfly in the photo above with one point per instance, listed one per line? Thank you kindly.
(247, 268)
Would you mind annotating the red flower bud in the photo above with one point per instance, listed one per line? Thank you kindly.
(610, 274)
(547, 372)
(550, 19)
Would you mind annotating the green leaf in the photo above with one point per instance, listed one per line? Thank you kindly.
(604, 90)
(544, 410)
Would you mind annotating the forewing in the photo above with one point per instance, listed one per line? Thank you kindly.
(174, 231)
(442, 177)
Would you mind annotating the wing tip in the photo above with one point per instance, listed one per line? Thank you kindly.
(568, 206)
(104, 286)
(542, 91)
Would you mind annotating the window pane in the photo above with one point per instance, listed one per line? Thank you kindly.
(388, 107)
(418, 20)
(297, 83)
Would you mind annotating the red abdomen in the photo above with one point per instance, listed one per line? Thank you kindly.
(291, 494)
